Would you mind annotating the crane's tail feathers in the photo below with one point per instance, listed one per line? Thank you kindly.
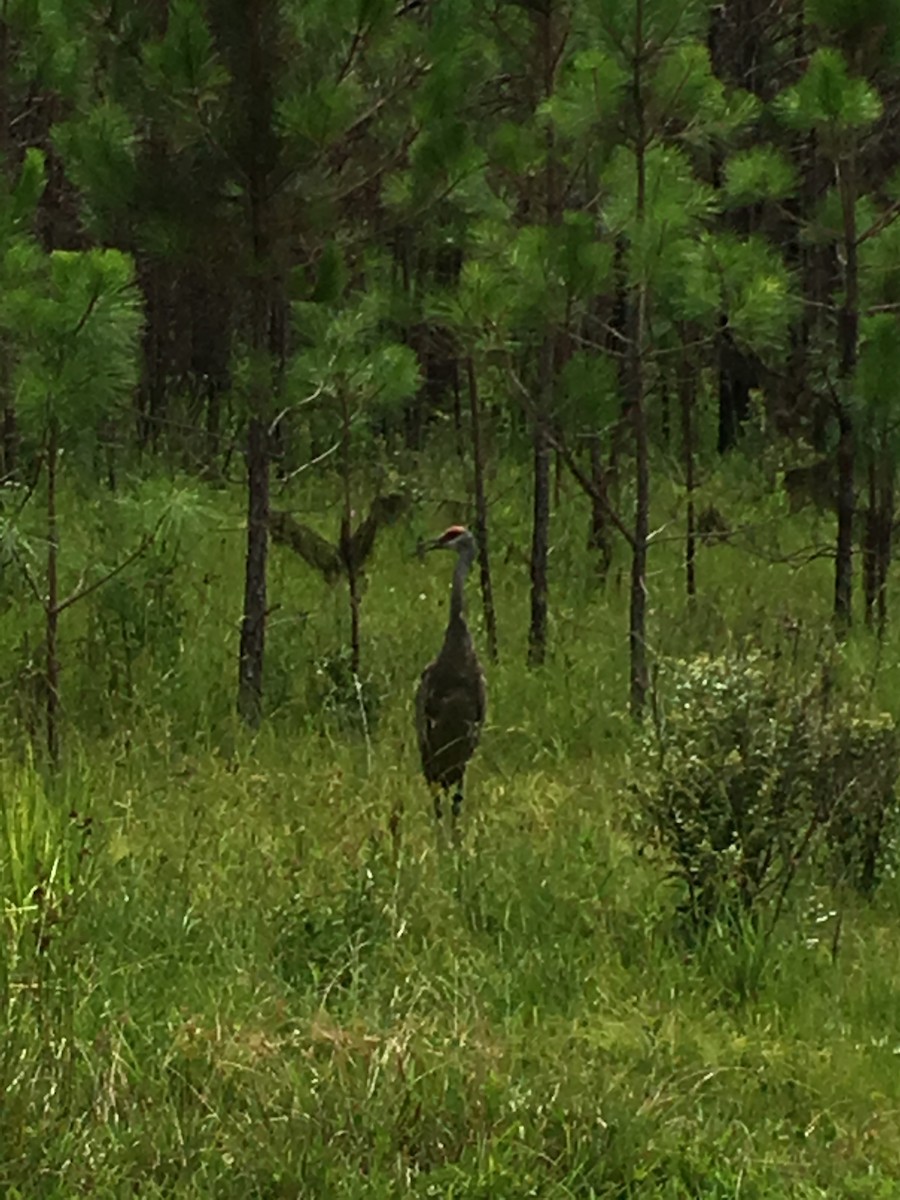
(457, 803)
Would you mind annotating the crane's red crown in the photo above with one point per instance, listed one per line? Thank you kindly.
(453, 531)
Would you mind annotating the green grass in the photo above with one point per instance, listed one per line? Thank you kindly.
(236, 982)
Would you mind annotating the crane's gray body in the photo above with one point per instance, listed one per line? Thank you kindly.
(452, 697)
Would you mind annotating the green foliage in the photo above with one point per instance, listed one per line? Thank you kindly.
(317, 117)
(676, 200)
(586, 99)
(759, 778)
(331, 277)
(98, 149)
(760, 173)
(77, 320)
(686, 96)
(336, 692)
(829, 98)
(184, 63)
(45, 869)
(19, 208)
(757, 293)
(879, 362)
(347, 353)
(588, 391)
(664, 23)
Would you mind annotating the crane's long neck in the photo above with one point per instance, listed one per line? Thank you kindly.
(457, 594)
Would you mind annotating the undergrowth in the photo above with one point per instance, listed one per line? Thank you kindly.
(240, 967)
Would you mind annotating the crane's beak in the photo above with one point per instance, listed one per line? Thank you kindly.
(425, 545)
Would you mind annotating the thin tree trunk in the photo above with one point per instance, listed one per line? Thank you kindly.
(540, 529)
(253, 625)
(481, 514)
(848, 332)
(637, 626)
(255, 86)
(347, 534)
(735, 380)
(870, 546)
(547, 55)
(686, 402)
(52, 603)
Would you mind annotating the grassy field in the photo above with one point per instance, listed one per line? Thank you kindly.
(222, 974)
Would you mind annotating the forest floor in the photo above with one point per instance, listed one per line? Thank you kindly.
(250, 972)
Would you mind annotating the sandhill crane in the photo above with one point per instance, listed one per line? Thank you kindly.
(451, 698)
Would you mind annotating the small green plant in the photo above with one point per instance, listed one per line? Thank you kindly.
(337, 690)
(757, 778)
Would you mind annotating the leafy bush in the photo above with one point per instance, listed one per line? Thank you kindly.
(756, 778)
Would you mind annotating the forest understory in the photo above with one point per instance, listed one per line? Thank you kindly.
(240, 964)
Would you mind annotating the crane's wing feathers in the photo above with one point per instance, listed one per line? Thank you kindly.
(450, 709)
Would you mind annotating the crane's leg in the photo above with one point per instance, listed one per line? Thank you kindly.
(438, 792)
(454, 813)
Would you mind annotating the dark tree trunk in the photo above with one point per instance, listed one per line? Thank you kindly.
(481, 512)
(638, 602)
(848, 337)
(637, 624)
(546, 55)
(254, 58)
(686, 404)
(347, 534)
(253, 625)
(736, 378)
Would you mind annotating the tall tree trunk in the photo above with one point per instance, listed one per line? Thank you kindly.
(253, 68)
(848, 335)
(545, 54)
(637, 624)
(481, 513)
(253, 625)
